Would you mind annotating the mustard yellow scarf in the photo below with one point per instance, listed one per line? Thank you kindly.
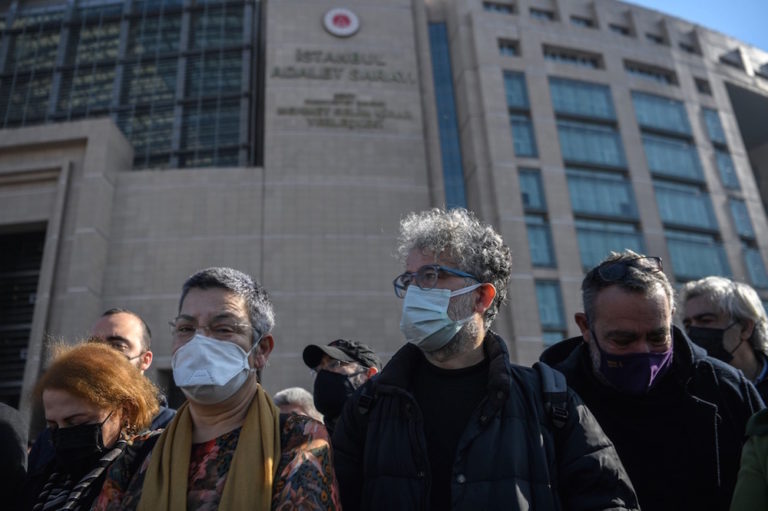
(251, 474)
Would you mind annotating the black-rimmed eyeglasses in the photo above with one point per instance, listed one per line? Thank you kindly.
(426, 278)
(611, 271)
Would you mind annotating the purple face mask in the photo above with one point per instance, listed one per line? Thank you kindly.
(634, 373)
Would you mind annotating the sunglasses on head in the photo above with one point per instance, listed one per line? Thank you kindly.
(611, 271)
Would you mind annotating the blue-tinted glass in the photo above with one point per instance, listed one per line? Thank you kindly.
(581, 98)
(34, 50)
(86, 89)
(687, 205)
(214, 74)
(598, 239)
(755, 267)
(741, 218)
(660, 113)
(217, 27)
(150, 81)
(450, 147)
(93, 43)
(672, 157)
(696, 255)
(550, 304)
(522, 135)
(590, 143)
(551, 338)
(515, 89)
(601, 193)
(24, 99)
(714, 127)
(727, 170)
(531, 189)
(539, 241)
(148, 36)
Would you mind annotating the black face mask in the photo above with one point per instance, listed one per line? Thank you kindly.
(331, 392)
(711, 339)
(79, 447)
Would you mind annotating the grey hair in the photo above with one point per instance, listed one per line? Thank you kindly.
(458, 237)
(261, 313)
(740, 301)
(635, 280)
(300, 397)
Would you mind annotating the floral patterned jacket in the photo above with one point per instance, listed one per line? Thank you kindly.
(305, 477)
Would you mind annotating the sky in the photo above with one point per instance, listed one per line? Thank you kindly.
(746, 20)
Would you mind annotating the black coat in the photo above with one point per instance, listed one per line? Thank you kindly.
(508, 457)
(681, 442)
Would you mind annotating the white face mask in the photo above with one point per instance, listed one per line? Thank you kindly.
(209, 371)
(425, 320)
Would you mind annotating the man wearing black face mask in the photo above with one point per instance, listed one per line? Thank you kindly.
(340, 368)
(676, 416)
(727, 319)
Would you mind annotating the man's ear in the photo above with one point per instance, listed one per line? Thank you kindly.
(145, 360)
(747, 328)
(583, 324)
(262, 351)
(485, 295)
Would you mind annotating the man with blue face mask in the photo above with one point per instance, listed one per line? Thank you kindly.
(676, 416)
(450, 423)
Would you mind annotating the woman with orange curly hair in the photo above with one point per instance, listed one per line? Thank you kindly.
(94, 400)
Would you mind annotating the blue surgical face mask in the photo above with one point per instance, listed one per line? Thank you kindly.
(425, 321)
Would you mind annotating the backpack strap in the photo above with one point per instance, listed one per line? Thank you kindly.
(555, 392)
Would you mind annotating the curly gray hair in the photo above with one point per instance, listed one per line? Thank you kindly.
(260, 310)
(740, 301)
(457, 236)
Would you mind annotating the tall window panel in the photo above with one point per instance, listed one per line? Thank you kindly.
(597, 239)
(523, 136)
(672, 157)
(657, 112)
(714, 127)
(684, 205)
(726, 169)
(598, 193)
(536, 220)
(448, 126)
(577, 98)
(583, 142)
(740, 217)
(551, 311)
(696, 255)
(755, 267)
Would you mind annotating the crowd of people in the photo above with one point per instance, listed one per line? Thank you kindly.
(657, 405)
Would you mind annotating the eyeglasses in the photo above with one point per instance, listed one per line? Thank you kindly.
(425, 277)
(611, 271)
(222, 330)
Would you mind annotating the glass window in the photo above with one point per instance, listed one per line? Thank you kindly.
(703, 86)
(450, 144)
(532, 190)
(508, 48)
(550, 304)
(542, 14)
(597, 239)
(86, 89)
(600, 193)
(686, 205)
(24, 100)
(581, 98)
(540, 241)
(713, 125)
(150, 35)
(619, 29)
(672, 157)
(93, 43)
(215, 27)
(755, 267)
(522, 135)
(660, 113)
(580, 21)
(214, 74)
(696, 255)
(653, 73)
(499, 7)
(211, 124)
(150, 81)
(34, 50)
(741, 218)
(515, 89)
(590, 143)
(574, 57)
(727, 170)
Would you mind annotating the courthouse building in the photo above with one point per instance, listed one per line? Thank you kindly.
(142, 140)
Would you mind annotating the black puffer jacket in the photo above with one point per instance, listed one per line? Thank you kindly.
(509, 456)
(681, 442)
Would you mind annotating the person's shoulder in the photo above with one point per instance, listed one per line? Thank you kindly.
(163, 417)
(758, 423)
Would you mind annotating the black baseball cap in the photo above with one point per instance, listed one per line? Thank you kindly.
(344, 350)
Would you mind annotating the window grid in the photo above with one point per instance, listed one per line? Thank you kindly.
(537, 225)
(598, 238)
(714, 126)
(523, 137)
(741, 219)
(551, 311)
(684, 205)
(696, 255)
(582, 99)
(499, 7)
(509, 47)
(596, 193)
(755, 267)
(648, 72)
(727, 170)
(582, 142)
(147, 74)
(573, 57)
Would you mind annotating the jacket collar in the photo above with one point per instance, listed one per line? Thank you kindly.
(401, 368)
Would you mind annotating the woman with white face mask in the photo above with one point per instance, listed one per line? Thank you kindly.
(227, 447)
(94, 401)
